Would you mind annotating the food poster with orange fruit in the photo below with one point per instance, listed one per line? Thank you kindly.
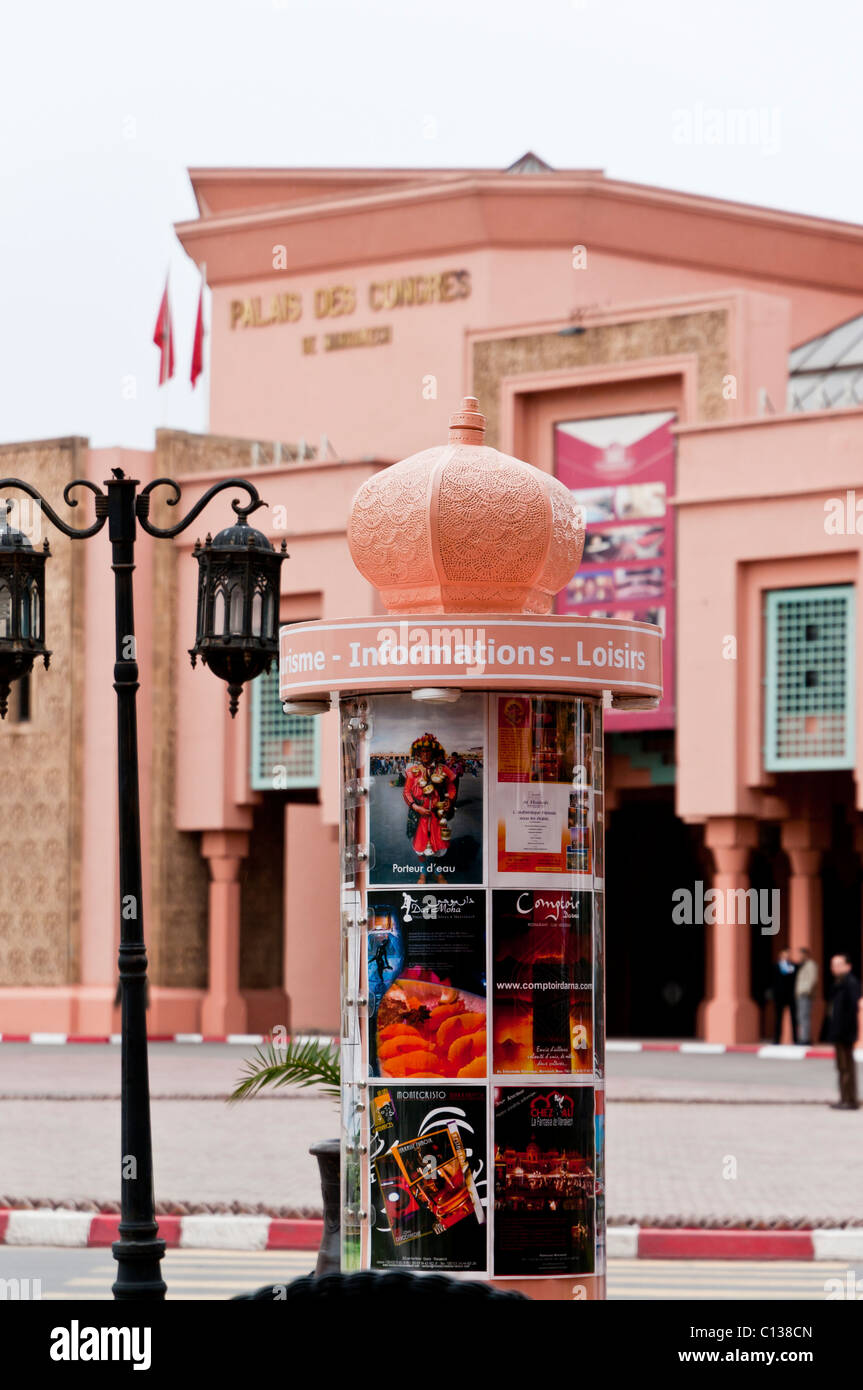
(544, 1181)
(427, 983)
(543, 752)
(428, 1178)
(426, 774)
(542, 982)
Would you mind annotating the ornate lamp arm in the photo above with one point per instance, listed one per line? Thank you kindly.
(143, 504)
(76, 533)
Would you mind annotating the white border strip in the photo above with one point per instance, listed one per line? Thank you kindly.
(782, 1052)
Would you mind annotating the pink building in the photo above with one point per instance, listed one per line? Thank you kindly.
(692, 368)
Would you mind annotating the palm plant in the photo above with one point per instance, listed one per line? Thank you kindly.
(296, 1062)
(305, 1062)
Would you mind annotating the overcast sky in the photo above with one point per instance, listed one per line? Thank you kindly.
(105, 104)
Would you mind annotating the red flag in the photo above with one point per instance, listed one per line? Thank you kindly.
(163, 337)
(198, 344)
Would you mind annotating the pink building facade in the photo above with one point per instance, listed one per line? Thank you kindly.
(351, 311)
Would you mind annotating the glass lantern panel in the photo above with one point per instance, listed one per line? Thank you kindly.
(202, 608)
(35, 611)
(5, 611)
(257, 606)
(219, 614)
(269, 609)
(237, 604)
(24, 611)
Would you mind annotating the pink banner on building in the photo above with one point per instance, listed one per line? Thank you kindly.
(621, 470)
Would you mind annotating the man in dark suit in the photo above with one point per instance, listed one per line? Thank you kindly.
(842, 1029)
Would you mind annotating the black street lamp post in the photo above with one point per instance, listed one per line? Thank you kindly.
(238, 587)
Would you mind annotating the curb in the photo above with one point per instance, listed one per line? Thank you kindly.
(698, 1243)
(44, 1226)
(773, 1052)
(52, 1226)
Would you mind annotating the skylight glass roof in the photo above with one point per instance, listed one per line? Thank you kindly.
(827, 372)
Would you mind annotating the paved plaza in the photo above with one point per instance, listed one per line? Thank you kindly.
(691, 1139)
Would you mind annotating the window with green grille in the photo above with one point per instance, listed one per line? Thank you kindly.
(809, 690)
(286, 748)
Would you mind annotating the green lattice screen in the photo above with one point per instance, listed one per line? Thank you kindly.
(285, 748)
(809, 690)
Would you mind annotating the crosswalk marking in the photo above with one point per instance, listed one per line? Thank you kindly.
(705, 1280)
(193, 1275)
(215, 1274)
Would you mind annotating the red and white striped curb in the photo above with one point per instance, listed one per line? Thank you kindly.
(782, 1052)
(50, 1226)
(698, 1243)
(53, 1227)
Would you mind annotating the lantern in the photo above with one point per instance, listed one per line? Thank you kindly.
(238, 605)
(22, 606)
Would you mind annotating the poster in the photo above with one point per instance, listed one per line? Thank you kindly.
(599, 835)
(599, 1184)
(544, 750)
(599, 983)
(427, 985)
(428, 1178)
(542, 976)
(426, 770)
(543, 1181)
(620, 469)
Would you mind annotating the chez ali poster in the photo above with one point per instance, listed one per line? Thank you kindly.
(544, 1180)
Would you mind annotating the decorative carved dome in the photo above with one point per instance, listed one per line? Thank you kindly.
(462, 528)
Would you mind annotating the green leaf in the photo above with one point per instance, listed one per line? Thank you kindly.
(299, 1062)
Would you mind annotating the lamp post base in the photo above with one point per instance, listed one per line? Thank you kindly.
(139, 1273)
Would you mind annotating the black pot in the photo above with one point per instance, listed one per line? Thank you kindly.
(328, 1154)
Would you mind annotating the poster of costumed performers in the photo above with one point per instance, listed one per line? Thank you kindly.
(426, 772)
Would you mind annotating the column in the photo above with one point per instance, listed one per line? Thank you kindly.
(312, 923)
(804, 841)
(729, 1014)
(224, 1010)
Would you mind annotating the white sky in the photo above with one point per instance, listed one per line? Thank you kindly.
(104, 104)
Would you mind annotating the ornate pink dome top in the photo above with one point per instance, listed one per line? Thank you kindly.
(462, 528)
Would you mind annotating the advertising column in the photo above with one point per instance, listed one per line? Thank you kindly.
(472, 870)
(473, 934)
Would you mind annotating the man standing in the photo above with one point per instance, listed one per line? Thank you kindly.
(783, 993)
(842, 1029)
(805, 983)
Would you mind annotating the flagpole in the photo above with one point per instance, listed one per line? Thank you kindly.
(165, 358)
(205, 374)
